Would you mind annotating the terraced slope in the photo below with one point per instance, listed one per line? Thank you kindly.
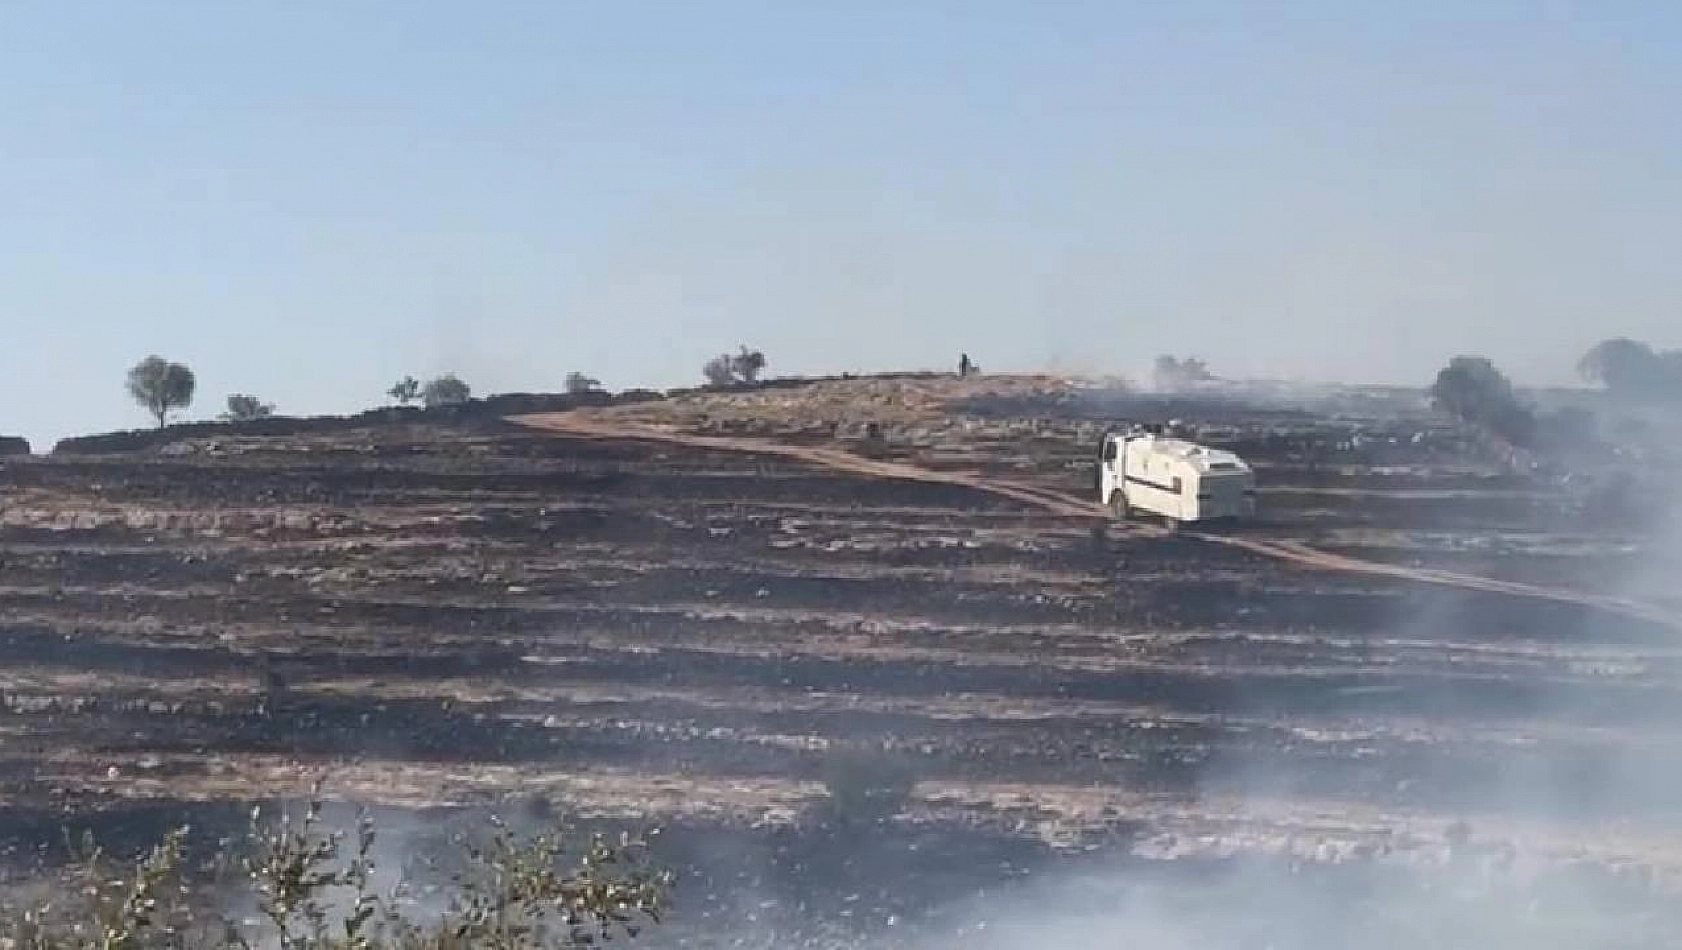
(637, 629)
(1035, 496)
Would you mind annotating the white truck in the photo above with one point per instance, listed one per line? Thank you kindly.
(1144, 471)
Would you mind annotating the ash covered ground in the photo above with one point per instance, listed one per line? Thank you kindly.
(1117, 734)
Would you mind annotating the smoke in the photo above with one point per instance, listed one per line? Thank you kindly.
(1564, 840)
(1469, 901)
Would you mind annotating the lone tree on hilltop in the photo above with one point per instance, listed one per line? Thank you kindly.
(729, 369)
(748, 364)
(1172, 373)
(1634, 370)
(405, 391)
(446, 390)
(161, 387)
(1472, 390)
(244, 408)
(578, 383)
(718, 372)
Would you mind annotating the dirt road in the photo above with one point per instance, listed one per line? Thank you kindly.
(582, 425)
(592, 427)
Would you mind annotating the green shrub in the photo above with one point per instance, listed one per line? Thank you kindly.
(313, 890)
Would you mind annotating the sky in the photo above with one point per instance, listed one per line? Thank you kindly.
(308, 200)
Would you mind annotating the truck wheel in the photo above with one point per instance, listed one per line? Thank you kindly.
(1119, 508)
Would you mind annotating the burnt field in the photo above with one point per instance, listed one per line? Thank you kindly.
(473, 615)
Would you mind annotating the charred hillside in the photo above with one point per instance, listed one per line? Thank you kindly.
(440, 611)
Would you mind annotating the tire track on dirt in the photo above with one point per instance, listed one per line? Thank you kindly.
(1293, 552)
(833, 459)
(1300, 553)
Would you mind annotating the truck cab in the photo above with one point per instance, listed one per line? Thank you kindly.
(1142, 471)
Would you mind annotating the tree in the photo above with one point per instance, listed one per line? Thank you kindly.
(1467, 385)
(547, 890)
(405, 391)
(1633, 369)
(1472, 390)
(1172, 373)
(747, 365)
(161, 387)
(244, 408)
(729, 369)
(578, 383)
(1615, 362)
(446, 390)
(718, 371)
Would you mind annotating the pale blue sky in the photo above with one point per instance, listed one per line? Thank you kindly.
(307, 200)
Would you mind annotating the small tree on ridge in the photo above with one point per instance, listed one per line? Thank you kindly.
(1472, 390)
(244, 408)
(1173, 373)
(405, 391)
(161, 387)
(446, 390)
(718, 371)
(728, 369)
(748, 364)
(1634, 370)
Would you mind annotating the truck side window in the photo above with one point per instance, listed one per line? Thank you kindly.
(1109, 451)
(1176, 484)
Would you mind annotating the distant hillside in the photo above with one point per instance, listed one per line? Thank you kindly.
(488, 408)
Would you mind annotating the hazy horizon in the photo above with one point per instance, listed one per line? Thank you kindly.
(307, 201)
